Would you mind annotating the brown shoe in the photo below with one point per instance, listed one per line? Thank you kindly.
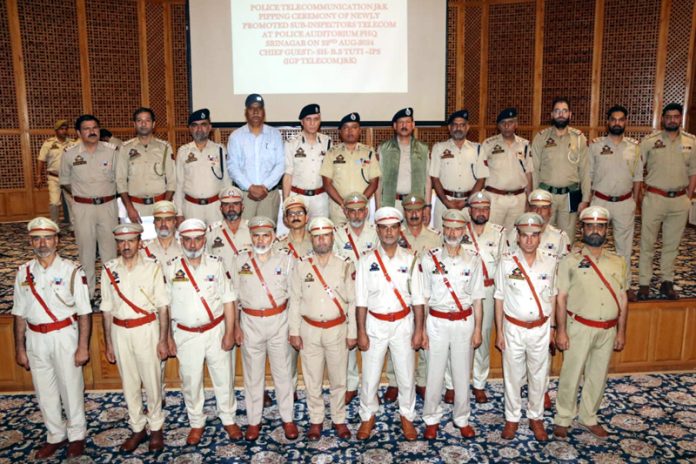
(267, 401)
(342, 431)
(76, 448)
(667, 289)
(480, 395)
(233, 431)
(449, 396)
(420, 391)
(409, 430)
(295, 397)
(314, 432)
(431, 432)
(632, 295)
(156, 441)
(537, 426)
(596, 430)
(467, 431)
(548, 405)
(290, 430)
(560, 431)
(391, 394)
(365, 429)
(194, 436)
(132, 442)
(350, 394)
(49, 449)
(252, 432)
(643, 292)
(510, 430)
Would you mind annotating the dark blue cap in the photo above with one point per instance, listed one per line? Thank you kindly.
(253, 98)
(507, 113)
(351, 117)
(403, 113)
(458, 114)
(308, 110)
(199, 115)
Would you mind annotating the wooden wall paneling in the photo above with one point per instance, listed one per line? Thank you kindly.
(169, 69)
(690, 91)
(689, 349)
(679, 44)
(8, 101)
(85, 78)
(595, 110)
(640, 320)
(155, 64)
(471, 45)
(12, 377)
(180, 66)
(483, 78)
(459, 41)
(670, 321)
(144, 48)
(661, 62)
(538, 66)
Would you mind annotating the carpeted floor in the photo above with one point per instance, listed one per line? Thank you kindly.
(652, 418)
(14, 251)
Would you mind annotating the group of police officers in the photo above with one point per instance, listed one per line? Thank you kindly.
(216, 277)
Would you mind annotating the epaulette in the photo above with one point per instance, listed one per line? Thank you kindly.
(435, 231)
(631, 140)
(213, 257)
(435, 250)
(111, 145)
(130, 141)
(689, 134)
(243, 250)
(652, 134)
(341, 257)
(497, 227)
(575, 131)
(491, 139)
(598, 139)
(281, 238)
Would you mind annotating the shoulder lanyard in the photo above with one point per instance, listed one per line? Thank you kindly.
(391, 283)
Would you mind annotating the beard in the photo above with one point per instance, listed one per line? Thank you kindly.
(594, 240)
(43, 252)
(560, 123)
(453, 242)
(458, 135)
(323, 249)
(616, 130)
(164, 233)
(231, 216)
(261, 250)
(671, 127)
(356, 224)
(480, 220)
(193, 254)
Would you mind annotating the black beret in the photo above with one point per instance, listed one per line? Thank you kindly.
(672, 107)
(351, 117)
(199, 115)
(308, 110)
(458, 114)
(104, 133)
(403, 113)
(507, 113)
(617, 108)
(253, 98)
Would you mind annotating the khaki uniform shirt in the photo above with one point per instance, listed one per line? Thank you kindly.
(457, 168)
(669, 164)
(199, 173)
(427, 239)
(614, 168)
(303, 160)
(143, 285)
(508, 164)
(588, 297)
(489, 245)
(372, 290)
(62, 286)
(308, 297)
(51, 152)
(366, 241)
(297, 249)
(217, 242)
(276, 273)
(554, 242)
(153, 249)
(213, 282)
(89, 174)
(350, 171)
(513, 289)
(561, 161)
(464, 273)
(145, 170)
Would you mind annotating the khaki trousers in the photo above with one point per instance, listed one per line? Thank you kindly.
(324, 348)
(58, 383)
(506, 208)
(588, 356)
(268, 207)
(94, 227)
(623, 216)
(138, 363)
(561, 216)
(352, 374)
(207, 213)
(671, 214)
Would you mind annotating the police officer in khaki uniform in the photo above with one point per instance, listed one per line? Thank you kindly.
(87, 172)
(389, 310)
(261, 277)
(525, 295)
(349, 167)
(322, 324)
(228, 237)
(405, 164)
(352, 240)
(297, 240)
(591, 314)
(559, 153)
(202, 315)
(145, 171)
(200, 172)
(456, 167)
(510, 167)
(49, 159)
(419, 238)
(617, 172)
(669, 158)
(303, 158)
(453, 290)
(50, 293)
(165, 246)
(136, 328)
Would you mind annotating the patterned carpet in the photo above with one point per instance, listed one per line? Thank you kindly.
(14, 251)
(652, 418)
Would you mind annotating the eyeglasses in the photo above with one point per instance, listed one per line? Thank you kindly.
(295, 213)
(561, 111)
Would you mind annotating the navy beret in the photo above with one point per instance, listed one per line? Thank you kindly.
(458, 114)
(403, 113)
(308, 110)
(253, 98)
(507, 113)
(199, 115)
(351, 117)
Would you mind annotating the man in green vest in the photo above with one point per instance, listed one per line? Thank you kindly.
(405, 162)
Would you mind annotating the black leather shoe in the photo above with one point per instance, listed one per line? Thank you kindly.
(667, 289)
